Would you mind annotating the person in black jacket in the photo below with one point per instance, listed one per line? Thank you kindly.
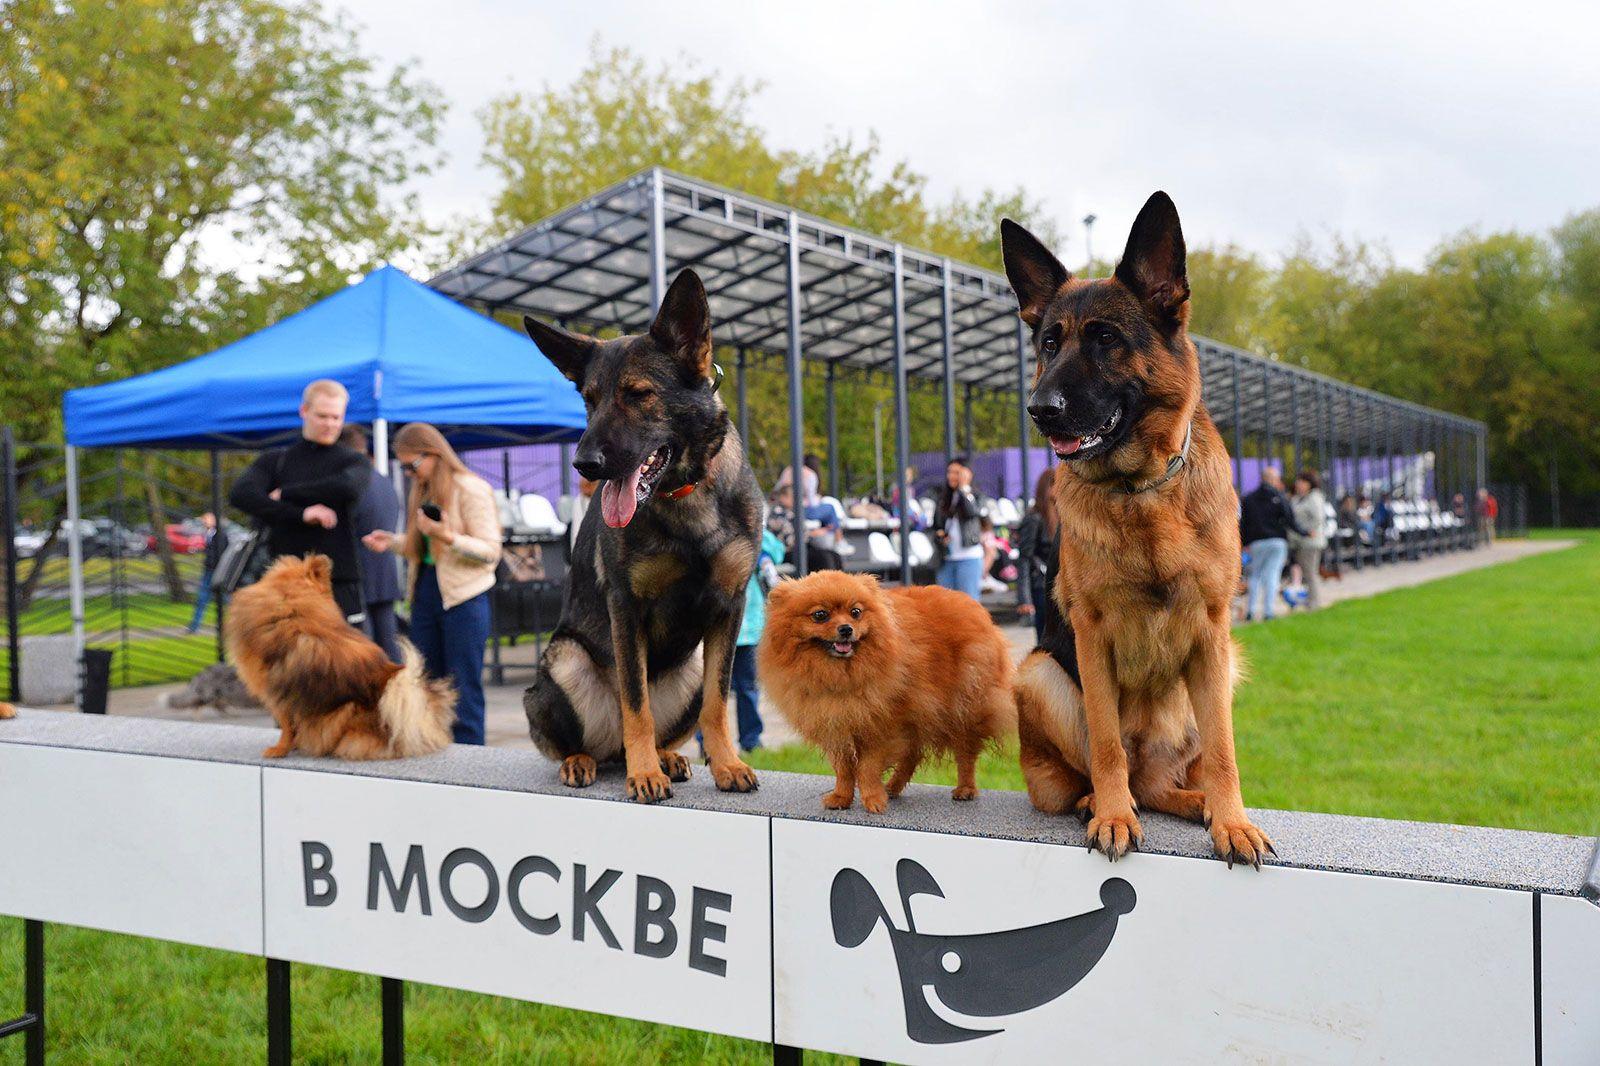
(306, 494)
(1265, 519)
(1036, 543)
(380, 572)
(959, 531)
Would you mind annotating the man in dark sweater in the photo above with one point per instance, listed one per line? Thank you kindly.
(306, 494)
(1265, 519)
(380, 572)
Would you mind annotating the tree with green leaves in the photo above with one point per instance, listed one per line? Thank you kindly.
(177, 173)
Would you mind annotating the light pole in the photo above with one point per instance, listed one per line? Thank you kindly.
(877, 443)
(1088, 242)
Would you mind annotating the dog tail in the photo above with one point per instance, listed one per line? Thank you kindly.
(416, 710)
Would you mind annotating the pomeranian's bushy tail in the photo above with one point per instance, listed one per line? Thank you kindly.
(416, 710)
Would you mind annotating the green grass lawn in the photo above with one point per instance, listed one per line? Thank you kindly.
(1472, 699)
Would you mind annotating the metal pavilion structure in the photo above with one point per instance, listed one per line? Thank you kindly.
(825, 298)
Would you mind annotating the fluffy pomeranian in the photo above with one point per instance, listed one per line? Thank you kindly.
(881, 677)
(330, 689)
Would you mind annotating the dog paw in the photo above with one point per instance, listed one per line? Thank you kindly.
(964, 792)
(1236, 840)
(277, 751)
(577, 771)
(1114, 833)
(675, 766)
(837, 801)
(734, 776)
(877, 803)
(650, 787)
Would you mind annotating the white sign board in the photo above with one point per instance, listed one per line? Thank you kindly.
(157, 847)
(1570, 990)
(661, 914)
(923, 948)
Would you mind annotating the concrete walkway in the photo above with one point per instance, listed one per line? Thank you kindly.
(505, 725)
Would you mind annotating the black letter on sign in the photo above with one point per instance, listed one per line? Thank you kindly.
(317, 863)
(491, 899)
(399, 895)
(532, 864)
(702, 929)
(586, 903)
(659, 916)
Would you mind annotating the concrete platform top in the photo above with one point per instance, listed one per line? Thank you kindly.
(1469, 855)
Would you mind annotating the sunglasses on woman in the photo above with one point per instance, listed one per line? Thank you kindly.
(411, 466)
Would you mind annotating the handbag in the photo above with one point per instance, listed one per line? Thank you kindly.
(243, 561)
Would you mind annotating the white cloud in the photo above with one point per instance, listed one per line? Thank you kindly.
(1399, 123)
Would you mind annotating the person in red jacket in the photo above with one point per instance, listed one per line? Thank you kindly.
(1488, 511)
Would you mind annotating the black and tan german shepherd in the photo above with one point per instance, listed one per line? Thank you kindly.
(1129, 701)
(660, 566)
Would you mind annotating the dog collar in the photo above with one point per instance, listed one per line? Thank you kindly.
(678, 493)
(1175, 465)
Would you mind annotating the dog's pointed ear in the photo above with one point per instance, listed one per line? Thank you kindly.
(683, 324)
(569, 352)
(319, 568)
(1036, 275)
(1153, 266)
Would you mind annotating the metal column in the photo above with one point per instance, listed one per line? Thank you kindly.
(31, 1022)
(796, 403)
(949, 368)
(1294, 423)
(902, 416)
(744, 399)
(1238, 426)
(380, 445)
(967, 415)
(1266, 415)
(658, 242)
(75, 570)
(1022, 409)
(833, 436)
(216, 511)
(566, 469)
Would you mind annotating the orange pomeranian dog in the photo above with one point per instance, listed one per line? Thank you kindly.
(881, 677)
(330, 689)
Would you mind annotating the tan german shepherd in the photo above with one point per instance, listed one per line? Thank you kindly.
(1129, 700)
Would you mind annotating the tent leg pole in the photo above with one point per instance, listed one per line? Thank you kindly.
(380, 445)
(75, 565)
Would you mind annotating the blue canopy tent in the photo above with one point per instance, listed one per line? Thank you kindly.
(405, 353)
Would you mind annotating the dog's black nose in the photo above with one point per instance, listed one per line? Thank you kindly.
(846, 632)
(591, 464)
(1043, 408)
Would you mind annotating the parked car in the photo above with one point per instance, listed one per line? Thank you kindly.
(103, 537)
(184, 538)
(28, 542)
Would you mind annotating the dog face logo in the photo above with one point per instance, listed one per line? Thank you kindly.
(979, 975)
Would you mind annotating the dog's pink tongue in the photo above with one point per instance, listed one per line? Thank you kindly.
(618, 501)
(1066, 445)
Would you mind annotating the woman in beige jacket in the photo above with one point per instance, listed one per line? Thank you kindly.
(453, 559)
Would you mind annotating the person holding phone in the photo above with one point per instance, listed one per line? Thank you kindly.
(453, 545)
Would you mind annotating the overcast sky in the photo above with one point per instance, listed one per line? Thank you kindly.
(1395, 122)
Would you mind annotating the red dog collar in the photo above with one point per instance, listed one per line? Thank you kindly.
(678, 493)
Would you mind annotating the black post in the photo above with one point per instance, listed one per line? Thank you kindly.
(278, 1028)
(33, 990)
(1023, 343)
(1266, 414)
(394, 1021)
(949, 335)
(902, 417)
(744, 401)
(797, 427)
(216, 511)
(566, 469)
(1294, 424)
(784, 1055)
(833, 438)
(967, 414)
(1238, 426)
(8, 445)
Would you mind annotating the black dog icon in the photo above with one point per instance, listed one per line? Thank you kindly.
(980, 975)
